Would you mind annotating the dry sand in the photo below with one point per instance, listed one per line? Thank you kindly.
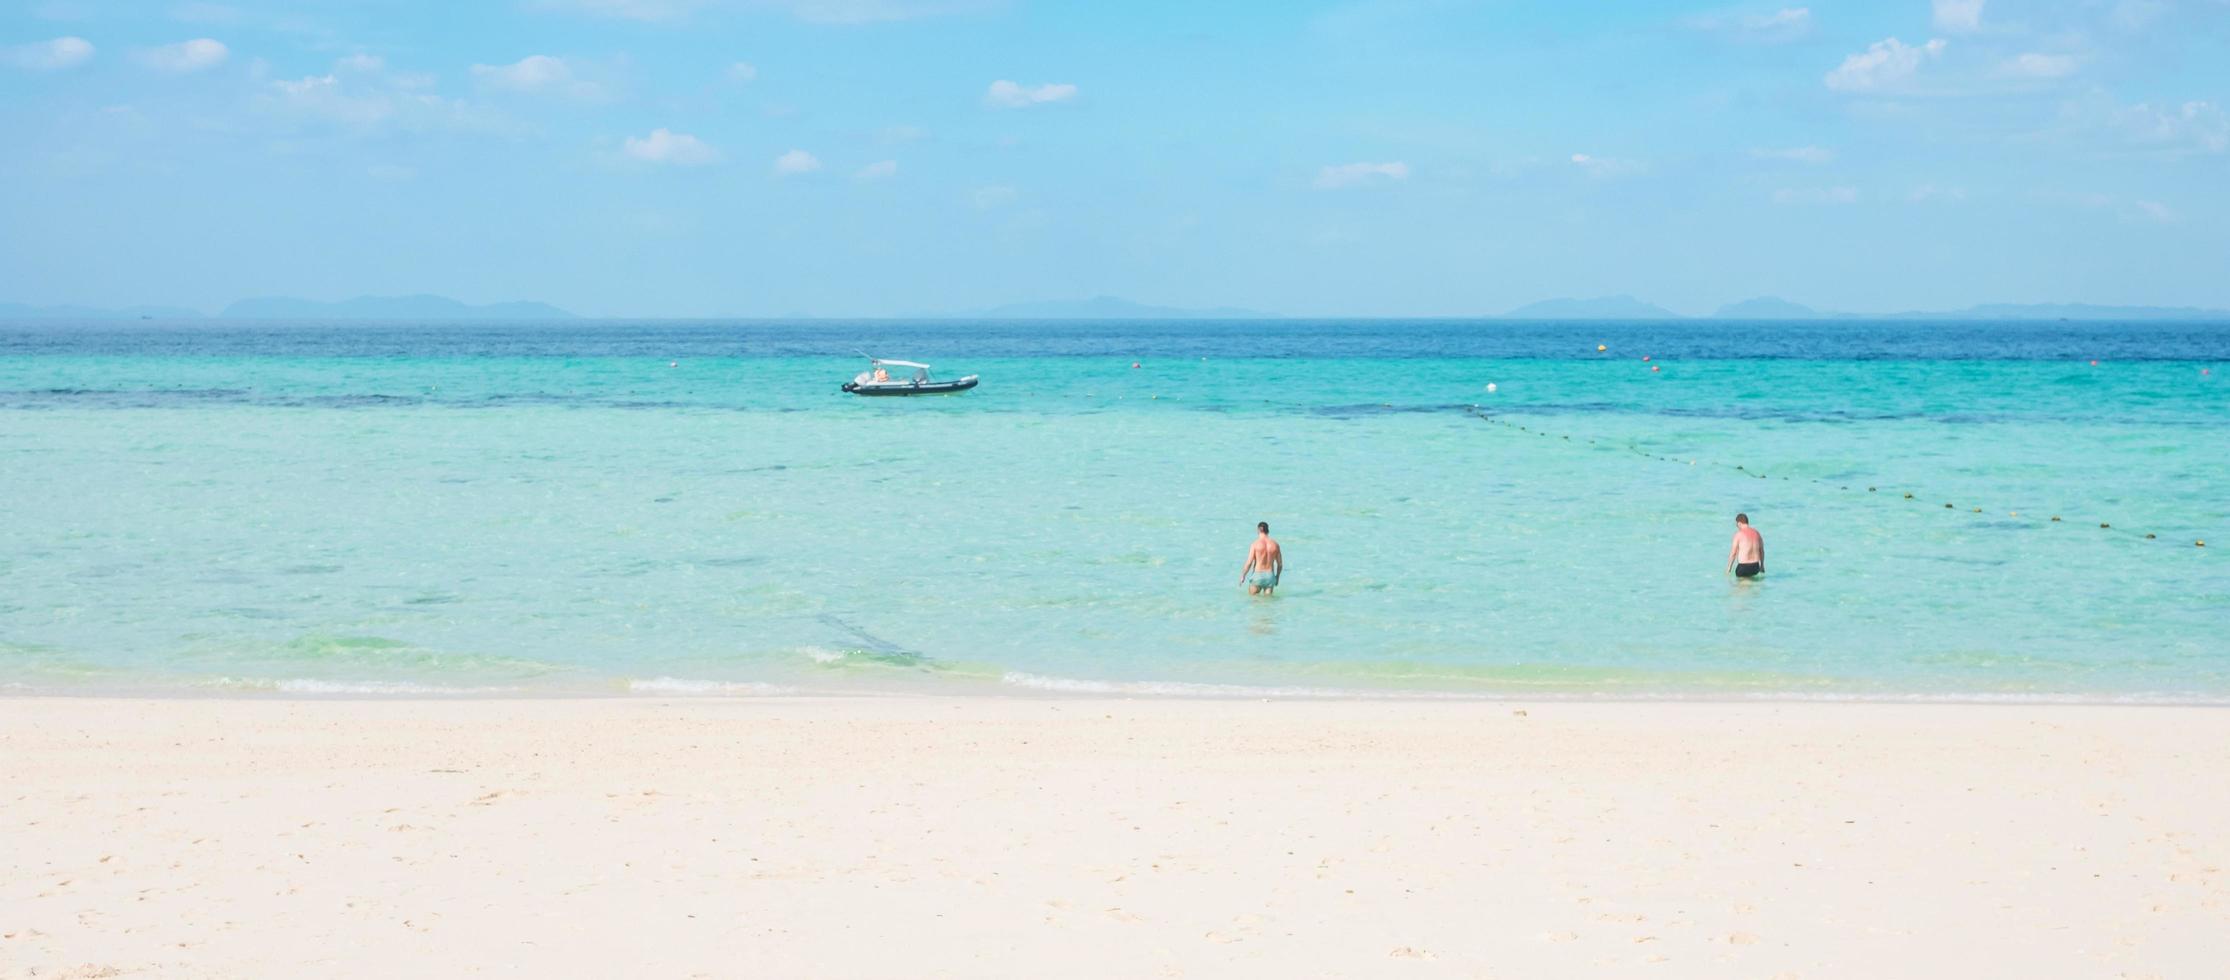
(995, 837)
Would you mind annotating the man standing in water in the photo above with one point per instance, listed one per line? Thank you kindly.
(1265, 562)
(1746, 558)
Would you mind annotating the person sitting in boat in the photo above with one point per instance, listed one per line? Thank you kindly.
(881, 375)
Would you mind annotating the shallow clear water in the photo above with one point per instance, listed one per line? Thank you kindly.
(673, 507)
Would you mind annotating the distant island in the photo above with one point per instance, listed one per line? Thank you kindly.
(419, 307)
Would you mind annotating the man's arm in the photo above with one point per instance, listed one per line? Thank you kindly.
(1250, 567)
(1731, 550)
(1761, 554)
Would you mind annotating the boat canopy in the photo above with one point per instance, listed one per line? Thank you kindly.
(892, 363)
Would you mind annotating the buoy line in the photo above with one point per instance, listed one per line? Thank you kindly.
(1480, 414)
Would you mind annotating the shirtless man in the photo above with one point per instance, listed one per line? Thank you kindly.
(1265, 562)
(1746, 558)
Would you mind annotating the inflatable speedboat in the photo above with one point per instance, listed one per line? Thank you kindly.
(879, 380)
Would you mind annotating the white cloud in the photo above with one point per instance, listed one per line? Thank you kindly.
(1595, 166)
(540, 74)
(992, 196)
(1816, 195)
(1343, 175)
(796, 162)
(666, 146)
(1931, 192)
(1959, 16)
(1009, 95)
(185, 56)
(361, 62)
(1886, 64)
(1796, 154)
(1778, 27)
(2039, 66)
(743, 71)
(55, 55)
(902, 134)
(879, 170)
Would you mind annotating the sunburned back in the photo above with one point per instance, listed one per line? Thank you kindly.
(1748, 545)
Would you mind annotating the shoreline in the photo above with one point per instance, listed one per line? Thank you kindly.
(975, 836)
(1053, 689)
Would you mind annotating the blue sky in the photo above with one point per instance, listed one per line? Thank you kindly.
(880, 157)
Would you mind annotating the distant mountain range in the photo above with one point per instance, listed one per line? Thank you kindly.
(1101, 308)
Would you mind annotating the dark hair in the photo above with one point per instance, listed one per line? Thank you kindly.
(1742, 518)
(1262, 526)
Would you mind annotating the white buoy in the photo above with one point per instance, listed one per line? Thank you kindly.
(1490, 386)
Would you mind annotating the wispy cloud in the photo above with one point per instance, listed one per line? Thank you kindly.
(2039, 66)
(1816, 195)
(1795, 154)
(796, 162)
(1755, 27)
(879, 170)
(1345, 175)
(1010, 95)
(204, 13)
(1885, 65)
(360, 96)
(1927, 193)
(1959, 16)
(540, 74)
(186, 56)
(55, 55)
(743, 71)
(2157, 211)
(810, 11)
(642, 10)
(1604, 167)
(993, 196)
(2190, 126)
(668, 147)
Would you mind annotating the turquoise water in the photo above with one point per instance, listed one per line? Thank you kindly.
(670, 508)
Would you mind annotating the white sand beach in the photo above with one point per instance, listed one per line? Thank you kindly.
(908, 837)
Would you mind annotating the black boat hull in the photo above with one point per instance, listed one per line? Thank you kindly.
(923, 388)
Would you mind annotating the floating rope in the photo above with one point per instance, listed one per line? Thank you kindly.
(1481, 414)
